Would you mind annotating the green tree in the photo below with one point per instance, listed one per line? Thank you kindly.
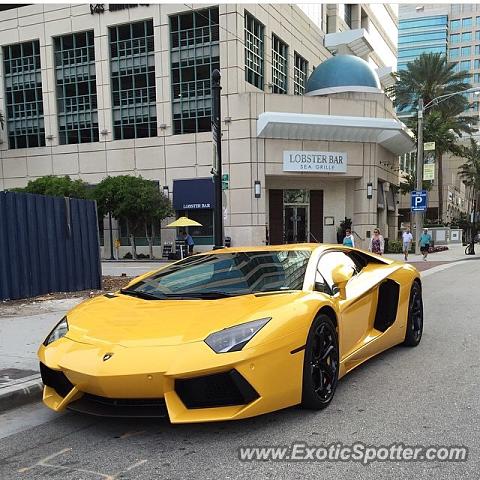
(470, 174)
(428, 77)
(137, 201)
(409, 184)
(57, 187)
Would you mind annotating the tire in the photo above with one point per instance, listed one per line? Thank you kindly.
(414, 331)
(320, 364)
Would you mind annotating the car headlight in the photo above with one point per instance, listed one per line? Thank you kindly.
(235, 338)
(58, 332)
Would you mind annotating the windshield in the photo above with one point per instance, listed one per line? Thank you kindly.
(226, 274)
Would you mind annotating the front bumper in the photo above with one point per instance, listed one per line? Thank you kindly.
(187, 383)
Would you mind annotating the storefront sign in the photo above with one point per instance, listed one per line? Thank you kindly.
(305, 161)
(193, 194)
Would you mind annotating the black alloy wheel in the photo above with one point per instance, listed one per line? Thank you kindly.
(321, 363)
(413, 335)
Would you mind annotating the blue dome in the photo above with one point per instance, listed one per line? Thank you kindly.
(343, 73)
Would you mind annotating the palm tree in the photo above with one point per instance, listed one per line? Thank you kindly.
(470, 174)
(428, 77)
(444, 128)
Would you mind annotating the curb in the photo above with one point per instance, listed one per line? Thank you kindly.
(20, 392)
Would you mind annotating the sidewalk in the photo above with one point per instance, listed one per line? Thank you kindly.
(23, 327)
(453, 254)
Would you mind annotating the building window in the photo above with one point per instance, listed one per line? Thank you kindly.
(454, 52)
(477, 35)
(76, 88)
(467, 22)
(465, 65)
(477, 49)
(455, 38)
(476, 77)
(279, 65)
(454, 24)
(348, 14)
(466, 51)
(300, 72)
(195, 54)
(254, 51)
(477, 64)
(204, 216)
(132, 63)
(466, 36)
(23, 92)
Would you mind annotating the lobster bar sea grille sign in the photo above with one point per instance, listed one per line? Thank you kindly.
(306, 161)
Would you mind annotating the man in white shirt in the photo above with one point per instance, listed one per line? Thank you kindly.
(407, 239)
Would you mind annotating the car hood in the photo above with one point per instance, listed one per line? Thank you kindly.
(129, 321)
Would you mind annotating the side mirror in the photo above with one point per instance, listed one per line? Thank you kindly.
(340, 277)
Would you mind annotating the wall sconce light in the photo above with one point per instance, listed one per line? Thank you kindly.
(166, 190)
(227, 119)
(104, 132)
(369, 190)
(257, 188)
(162, 126)
(49, 137)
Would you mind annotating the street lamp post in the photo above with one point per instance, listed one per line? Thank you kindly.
(419, 180)
(217, 170)
(419, 183)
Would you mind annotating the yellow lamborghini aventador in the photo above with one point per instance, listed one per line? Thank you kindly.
(231, 333)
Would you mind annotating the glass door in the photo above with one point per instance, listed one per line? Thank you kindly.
(295, 223)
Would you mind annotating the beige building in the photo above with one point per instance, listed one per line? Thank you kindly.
(97, 90)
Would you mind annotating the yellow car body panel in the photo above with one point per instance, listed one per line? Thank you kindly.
(152, 344)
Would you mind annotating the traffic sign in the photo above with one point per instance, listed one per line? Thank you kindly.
(225, 181)
(419, 201)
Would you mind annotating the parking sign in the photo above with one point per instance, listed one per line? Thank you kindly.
(419, 201)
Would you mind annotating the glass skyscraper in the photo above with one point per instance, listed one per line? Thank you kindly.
(427, 34)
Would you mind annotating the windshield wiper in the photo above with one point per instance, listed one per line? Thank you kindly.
(140, 294)
(207, 295)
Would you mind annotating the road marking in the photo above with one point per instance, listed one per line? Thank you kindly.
(44, 463)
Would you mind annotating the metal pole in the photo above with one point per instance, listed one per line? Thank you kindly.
(217, 170)
(419, 183)
(111, 235)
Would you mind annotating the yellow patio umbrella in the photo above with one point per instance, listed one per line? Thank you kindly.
(184, 222)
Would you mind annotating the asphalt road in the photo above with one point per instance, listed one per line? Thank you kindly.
(429, 395)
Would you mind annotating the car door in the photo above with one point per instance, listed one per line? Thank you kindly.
(357, 310)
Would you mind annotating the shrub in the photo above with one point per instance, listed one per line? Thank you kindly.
(440, 248)
(395, 246)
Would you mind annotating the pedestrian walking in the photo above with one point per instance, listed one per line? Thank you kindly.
(377, 243)
(425, 242)
(189, 243)
(348, 240)
(407, 239)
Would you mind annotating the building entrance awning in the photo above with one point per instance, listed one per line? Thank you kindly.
(390, 133)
